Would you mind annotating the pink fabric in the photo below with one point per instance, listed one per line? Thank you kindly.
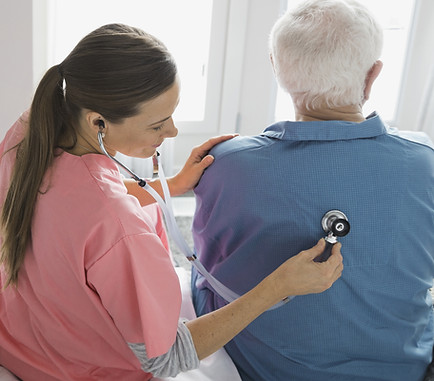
(96, 275)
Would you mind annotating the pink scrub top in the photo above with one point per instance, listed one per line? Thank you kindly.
(97, 275)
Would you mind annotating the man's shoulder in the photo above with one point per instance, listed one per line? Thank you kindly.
(240, 144)
(416, 137)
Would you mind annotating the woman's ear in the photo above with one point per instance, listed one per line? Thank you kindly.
(372, 75)
(94, 121)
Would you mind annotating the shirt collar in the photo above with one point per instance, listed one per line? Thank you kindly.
(327, 130)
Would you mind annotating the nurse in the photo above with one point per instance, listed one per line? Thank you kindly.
(89, 290)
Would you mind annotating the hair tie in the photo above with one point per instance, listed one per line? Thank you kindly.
(61, 83)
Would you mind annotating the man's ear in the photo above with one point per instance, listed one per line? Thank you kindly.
(272, 63)
(372, 75)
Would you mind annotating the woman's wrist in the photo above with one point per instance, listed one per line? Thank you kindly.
(176, 187)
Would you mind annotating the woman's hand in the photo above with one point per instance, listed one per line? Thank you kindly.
(300, 275)
(188, 177)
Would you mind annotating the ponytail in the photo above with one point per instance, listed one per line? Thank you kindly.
(34, 156)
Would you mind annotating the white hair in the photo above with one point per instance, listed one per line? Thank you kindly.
(323, 49)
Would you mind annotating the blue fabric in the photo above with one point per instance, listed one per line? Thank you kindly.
(262, 201)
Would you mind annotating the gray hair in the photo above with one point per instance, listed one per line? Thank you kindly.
(323, 49)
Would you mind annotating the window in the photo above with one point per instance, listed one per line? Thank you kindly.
(187, 35)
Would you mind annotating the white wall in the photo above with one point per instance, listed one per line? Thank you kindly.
(16, 74)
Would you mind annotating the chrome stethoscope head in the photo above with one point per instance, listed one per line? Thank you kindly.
(335, 224)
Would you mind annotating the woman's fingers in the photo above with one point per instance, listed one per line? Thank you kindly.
(331, 270)
(316, 250)
(190, 174)
(199, 153)
(205, 147)
(305, 276)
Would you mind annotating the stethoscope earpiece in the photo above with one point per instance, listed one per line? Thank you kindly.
(101, 126)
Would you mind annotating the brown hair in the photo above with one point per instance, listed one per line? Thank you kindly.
(111, 71)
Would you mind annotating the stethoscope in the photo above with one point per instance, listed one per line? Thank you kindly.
(172, 227)
(334, 223)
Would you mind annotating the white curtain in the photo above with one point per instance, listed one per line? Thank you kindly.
(426, 117)
(415, 108)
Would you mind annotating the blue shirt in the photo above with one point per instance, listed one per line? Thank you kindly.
(262, 201)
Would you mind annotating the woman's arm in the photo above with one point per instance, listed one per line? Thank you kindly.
(184, 180)
(297, 276)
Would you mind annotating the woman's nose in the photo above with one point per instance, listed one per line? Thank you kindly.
(171, 131)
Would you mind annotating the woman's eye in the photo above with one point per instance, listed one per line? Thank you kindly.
(158, 128)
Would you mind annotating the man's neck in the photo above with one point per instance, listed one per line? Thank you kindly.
(352, 113)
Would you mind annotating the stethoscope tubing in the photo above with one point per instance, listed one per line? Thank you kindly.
(172, 226)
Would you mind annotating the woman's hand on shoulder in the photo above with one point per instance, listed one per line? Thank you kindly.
(188, 177)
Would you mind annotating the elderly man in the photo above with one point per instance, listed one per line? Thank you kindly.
(263, 199)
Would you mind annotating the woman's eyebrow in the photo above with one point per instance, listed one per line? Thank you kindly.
(161, 121)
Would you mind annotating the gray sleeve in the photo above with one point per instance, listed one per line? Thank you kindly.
(181, 356)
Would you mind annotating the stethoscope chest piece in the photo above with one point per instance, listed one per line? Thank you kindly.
(335, 224)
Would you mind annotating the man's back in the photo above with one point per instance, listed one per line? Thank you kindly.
(262, 201)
